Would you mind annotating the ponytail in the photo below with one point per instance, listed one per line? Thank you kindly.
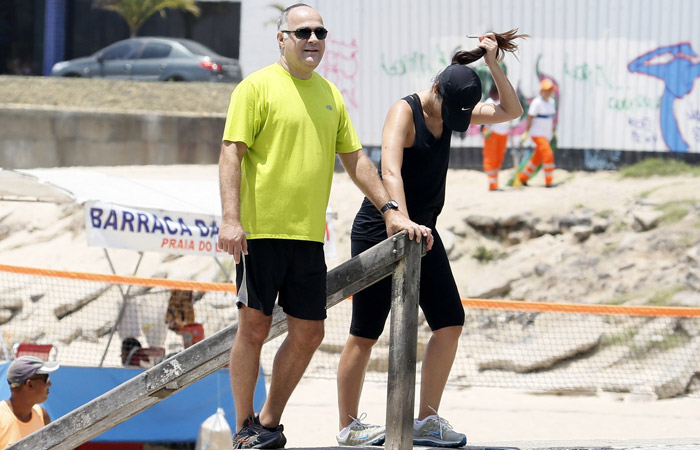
(505, 44)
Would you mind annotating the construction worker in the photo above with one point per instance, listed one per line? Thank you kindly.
(495, 143)
(540, 125)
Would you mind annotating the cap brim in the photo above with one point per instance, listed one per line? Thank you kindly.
(456, 121)
(48, 367)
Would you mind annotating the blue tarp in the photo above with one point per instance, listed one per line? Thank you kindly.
(175, 419)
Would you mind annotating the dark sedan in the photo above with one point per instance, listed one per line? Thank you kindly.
(153, 58)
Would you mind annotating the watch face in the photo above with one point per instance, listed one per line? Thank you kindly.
(391, 204)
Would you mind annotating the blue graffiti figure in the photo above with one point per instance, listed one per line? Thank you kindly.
(679, 74)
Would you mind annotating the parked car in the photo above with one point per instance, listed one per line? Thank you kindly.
(153, 58)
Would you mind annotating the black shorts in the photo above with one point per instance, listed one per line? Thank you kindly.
(296, 270)
(439, 298)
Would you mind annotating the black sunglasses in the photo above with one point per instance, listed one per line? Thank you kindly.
(305, 33)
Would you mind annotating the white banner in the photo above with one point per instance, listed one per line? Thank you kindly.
(115, 226)
(109, 225)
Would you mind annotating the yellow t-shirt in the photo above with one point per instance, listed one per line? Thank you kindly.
(12, 429)
(292, 128)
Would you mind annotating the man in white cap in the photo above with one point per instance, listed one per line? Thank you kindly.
(21, 414)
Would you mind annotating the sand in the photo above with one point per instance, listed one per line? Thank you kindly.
(485, 415)
(490, 416)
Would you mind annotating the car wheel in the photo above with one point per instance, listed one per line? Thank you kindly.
(72, 75)
(174, 78)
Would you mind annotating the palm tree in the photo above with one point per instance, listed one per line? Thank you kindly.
(136, 12)
(277, 7)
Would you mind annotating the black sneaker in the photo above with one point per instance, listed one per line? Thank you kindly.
(254, 435)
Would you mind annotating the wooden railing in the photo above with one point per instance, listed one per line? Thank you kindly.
(396, 255)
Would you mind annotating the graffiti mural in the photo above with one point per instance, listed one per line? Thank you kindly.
(625, 83)
(678, 67)
(417, 63)
(341, 66)
(598, 74)
(598, 160)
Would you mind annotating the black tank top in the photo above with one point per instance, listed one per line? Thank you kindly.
(424, 173)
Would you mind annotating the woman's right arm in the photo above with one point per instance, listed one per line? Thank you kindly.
(398, 126)
(509, 108)
(398, 133)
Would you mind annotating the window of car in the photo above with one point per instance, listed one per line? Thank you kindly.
(156, 50)
(197, 48)
(124, 50)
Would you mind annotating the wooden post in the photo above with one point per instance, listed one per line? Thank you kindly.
(402, 349)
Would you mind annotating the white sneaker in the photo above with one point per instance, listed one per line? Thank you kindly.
(434, 431)
(358, 433)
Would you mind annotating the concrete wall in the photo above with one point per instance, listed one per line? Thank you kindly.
(50, 137)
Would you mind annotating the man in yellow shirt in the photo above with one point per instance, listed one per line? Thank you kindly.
(285, 125)
(21, 414)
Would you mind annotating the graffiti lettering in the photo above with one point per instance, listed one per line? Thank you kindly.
(642, 130)
(694, 115)
(636, 102)
(585, 72)
(643, 123)
(641, 138)
(601, 160)
(416, 63)
(341, 66)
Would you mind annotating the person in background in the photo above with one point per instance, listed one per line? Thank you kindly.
(284, 128)
(540, 125)
(415, 157)
(21, 414)
(130, 346)
(495, 143)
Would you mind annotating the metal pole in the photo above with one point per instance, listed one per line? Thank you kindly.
(125, 299)
(223, 269)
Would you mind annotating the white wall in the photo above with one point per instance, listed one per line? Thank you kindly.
(381, 50)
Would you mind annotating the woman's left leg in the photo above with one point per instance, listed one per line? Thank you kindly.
(437, 363)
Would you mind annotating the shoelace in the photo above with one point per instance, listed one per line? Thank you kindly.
(442, 422)
(358, 422)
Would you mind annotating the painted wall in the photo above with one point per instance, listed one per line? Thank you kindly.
(626, 70)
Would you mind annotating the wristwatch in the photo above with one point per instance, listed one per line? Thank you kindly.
(391, 204)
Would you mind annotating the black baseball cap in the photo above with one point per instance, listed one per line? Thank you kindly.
(460, 88)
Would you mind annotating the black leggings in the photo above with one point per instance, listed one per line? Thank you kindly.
(439, 298)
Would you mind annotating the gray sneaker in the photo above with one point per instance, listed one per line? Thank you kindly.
(358, 433)
(434, 431)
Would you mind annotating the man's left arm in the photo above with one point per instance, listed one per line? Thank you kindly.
(364, 174)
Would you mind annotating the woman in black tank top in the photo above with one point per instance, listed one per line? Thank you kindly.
(415, 158)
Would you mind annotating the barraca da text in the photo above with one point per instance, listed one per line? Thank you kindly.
(140, 222)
